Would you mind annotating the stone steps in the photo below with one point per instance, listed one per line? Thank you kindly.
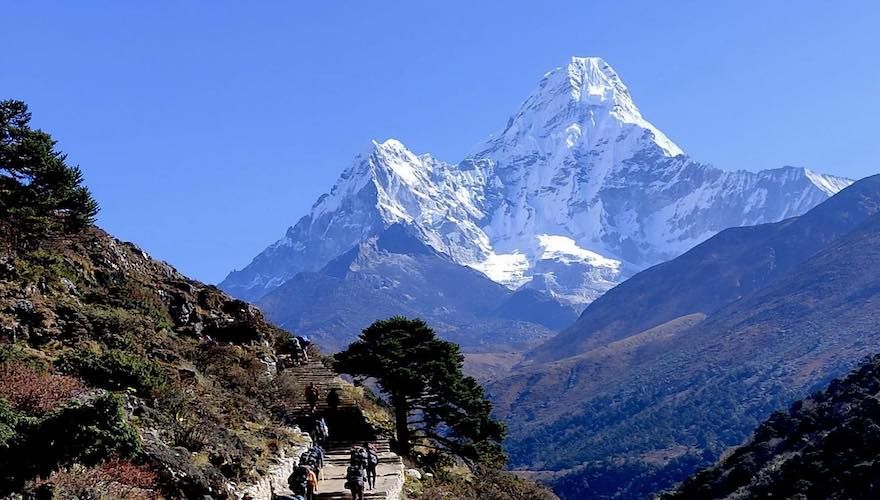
(347, 428)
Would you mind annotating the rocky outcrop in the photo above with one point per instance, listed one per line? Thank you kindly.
(275, 479)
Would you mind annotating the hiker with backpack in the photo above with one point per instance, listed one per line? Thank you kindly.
(299, 480)
(304, 345)
(372, 463)
(354, 482)
(333, 400)
(296, 350)
(317, 454)
(358, 458)
(321, 432)
(312, 396)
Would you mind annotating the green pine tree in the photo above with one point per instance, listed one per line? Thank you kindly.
(40, 195)
(436, 406)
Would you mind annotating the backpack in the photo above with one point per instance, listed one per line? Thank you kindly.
(373, 458)
(318, 454)
(359, 458)
(312, 393)
(322, 426)
(298, 480)
(354, 477)
(309, 459)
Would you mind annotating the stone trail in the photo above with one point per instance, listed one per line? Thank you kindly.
(347, 427)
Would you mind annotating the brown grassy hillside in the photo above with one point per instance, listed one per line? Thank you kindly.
(166, 376)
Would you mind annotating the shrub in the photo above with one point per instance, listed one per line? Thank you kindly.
(114, 326)
(145, 300)
(110, 480)
(115, 370)
(10, 353)
(127, 473)
(10, 419)
(85, 434)
(484, 484)
(33, 391)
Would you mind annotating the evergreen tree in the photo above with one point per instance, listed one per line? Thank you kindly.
(40, 195)
(436, 406)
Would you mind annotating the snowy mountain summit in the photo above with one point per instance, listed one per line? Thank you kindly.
(576, 193)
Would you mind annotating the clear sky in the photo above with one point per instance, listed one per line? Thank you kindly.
(205, 129)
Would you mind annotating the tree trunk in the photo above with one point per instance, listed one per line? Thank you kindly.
(401, 415)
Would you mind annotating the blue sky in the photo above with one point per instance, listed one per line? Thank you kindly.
(206, 128)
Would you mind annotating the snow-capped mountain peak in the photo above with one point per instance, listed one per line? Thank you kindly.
(581, 105)
(576, 193)
(829, 184)
(595, 83)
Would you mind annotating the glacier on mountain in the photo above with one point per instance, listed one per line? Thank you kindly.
(576, 193)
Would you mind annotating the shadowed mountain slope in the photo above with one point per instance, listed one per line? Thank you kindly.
(723, 269)
(395, 273)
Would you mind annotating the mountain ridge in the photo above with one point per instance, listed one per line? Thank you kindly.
(575, 194)
(743, 259)
(395, 273)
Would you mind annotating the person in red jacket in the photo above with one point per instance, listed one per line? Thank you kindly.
(312, 396)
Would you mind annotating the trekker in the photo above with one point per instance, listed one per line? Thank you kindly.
(324, 432)
(372, 463)
(299, 480)
(319, 460)
(333, 400)
(354, 482)
(297, 349)
(304, 343)
(321, 432)
(358, 457)
(312, 485)
(312, 396)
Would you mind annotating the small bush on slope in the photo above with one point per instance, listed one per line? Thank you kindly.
(34, 391)
(85, 433)
(115, 370)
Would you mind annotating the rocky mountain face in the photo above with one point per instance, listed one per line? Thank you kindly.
(395, 272)
(745, 323)
(576, 193)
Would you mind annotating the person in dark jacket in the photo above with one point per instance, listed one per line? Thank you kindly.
(372, 463)
(354, 482)
(333, 400)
